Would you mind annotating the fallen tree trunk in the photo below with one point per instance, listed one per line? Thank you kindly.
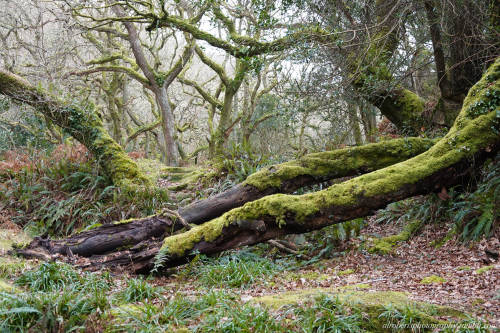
(282, 178)
(473, 137)
(110, 237)
(309, 170)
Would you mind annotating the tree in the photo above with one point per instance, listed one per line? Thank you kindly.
(146, 72)
(230, 86)
(81, 122)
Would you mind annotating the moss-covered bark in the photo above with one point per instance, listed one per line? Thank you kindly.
(474, 135)
(308, 170)
(372, 77)
(82, 123)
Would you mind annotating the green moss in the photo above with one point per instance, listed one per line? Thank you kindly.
(464, 268)
(484, 269)
(93, 226)
(151, 169)
(180, 243)
(346, 272)
(432, 279)
(386, 245)
(356, 286)
(380, 246)
(133, 219)
(8, 288)
(340, 163)
(185, 177)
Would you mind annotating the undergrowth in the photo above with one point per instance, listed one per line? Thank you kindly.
(62, 191)
(233, 269)
(57, 298)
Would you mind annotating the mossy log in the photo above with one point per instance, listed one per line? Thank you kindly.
(474, 137)
(82, 123)
(309, 170)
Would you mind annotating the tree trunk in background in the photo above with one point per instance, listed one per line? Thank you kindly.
(354, 123)
(113, 109)
(369, 120)
(373, 79)
(221, 133)
(437, 45)
(168, 128)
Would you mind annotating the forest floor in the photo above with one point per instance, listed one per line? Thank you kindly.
(459, 276)
(468, 279)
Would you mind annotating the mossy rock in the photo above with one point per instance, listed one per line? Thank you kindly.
(433, 279)
(371, 303)
(10, 237)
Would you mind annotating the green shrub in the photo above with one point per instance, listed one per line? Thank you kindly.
(61, 197)
(477, 214)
